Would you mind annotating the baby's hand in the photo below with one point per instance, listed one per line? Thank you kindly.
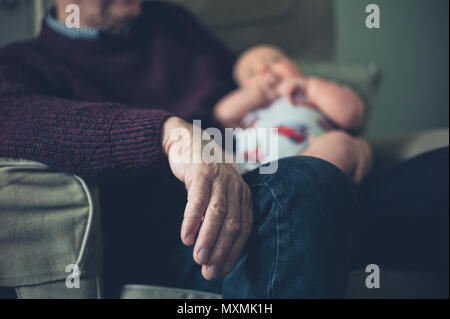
(294, 89)
(269, 92)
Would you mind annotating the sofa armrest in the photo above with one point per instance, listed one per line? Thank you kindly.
(389, 151)
(49, 220)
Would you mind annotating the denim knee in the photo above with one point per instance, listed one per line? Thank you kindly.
(305, 213)
(310, 178)
(312, 189)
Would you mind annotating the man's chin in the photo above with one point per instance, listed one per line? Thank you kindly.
(125, 11)
(122, 19)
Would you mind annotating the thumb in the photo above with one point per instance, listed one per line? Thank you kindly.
(287, 90)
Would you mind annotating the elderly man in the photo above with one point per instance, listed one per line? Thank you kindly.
(102, 101)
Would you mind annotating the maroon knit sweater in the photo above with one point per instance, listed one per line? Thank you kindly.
(91, 106)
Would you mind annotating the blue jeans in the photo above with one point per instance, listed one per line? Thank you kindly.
(304, 225)
(405, 217)
(311, 227)
(300, 245)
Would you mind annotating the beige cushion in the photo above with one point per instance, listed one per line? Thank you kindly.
(47, 223)
(302, 28)
(391, 150)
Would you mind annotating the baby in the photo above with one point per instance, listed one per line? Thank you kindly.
(312, 115)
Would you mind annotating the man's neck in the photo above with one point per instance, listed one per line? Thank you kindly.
(62, 15)
(73, 33)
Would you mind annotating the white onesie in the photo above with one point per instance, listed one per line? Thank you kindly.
(295, 124)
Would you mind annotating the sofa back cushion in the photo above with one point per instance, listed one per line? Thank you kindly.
(303, 28)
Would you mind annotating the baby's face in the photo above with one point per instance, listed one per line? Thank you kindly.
(264, 65)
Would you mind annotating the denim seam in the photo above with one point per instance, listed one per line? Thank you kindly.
(270, 288)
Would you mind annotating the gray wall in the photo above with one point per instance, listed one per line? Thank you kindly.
(18, 23)
(412, 50)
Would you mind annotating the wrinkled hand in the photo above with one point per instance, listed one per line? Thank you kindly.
(219, 207)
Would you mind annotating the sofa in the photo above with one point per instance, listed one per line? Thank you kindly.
(50, 220)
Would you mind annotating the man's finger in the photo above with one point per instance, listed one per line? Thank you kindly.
(198, 197)
(246, 228)
(230, 231)
(212, 223)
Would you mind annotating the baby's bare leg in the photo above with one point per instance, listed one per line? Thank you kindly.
(364, 162)
(352, 155)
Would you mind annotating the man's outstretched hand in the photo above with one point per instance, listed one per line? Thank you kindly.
(218, 217)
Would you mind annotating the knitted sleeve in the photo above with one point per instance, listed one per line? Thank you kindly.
(79, 137)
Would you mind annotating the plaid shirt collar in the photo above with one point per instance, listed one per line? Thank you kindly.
(85, 33)
(71, 33)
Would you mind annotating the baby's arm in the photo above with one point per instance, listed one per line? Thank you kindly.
(233, 107)
(338, 103)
